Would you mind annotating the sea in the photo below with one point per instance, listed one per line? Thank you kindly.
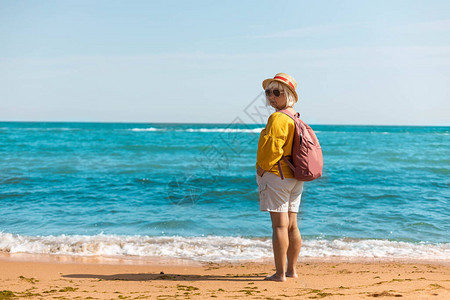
(189, 191)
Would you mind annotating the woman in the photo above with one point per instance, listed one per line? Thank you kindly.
(280, 197)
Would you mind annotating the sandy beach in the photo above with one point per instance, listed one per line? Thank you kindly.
(63, 277)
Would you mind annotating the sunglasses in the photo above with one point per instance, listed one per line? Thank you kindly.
(275, 92)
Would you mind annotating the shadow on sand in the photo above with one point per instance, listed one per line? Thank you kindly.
(173, 277)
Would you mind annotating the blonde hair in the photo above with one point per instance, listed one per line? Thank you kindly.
(290, 98)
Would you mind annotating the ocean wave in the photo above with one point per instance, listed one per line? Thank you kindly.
(146, 129)
(41, 129)
(227, 130)
(205, 130)
(215, 248)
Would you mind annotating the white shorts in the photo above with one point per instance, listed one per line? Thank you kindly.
(278, 195)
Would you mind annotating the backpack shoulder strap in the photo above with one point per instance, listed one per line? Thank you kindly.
(296, 118)
(288, 113)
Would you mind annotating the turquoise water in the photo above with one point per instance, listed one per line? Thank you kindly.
(82, 181)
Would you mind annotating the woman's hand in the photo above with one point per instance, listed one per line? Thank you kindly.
(260, 171)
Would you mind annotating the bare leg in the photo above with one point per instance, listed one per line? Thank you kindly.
(295, 244)
(280, 243)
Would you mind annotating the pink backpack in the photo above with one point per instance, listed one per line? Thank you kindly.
(307, 160)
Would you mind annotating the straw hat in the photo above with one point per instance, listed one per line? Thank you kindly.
(285, 79)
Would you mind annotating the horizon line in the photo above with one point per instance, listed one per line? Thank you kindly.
(210, 123)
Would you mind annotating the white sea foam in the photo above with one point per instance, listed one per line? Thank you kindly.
(146, 129)
(228, 130)
(215, 248)
(205, 130)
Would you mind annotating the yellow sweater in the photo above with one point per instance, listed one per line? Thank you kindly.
(274, 141)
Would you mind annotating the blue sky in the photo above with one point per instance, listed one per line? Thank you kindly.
(356, 62)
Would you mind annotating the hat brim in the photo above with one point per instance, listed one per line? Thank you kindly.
(269, 80)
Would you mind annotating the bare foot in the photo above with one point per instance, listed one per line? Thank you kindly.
(275, 277)
(292, 274)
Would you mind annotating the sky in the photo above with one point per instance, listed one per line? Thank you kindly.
(356, 62)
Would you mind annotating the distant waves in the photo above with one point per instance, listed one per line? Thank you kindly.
(206, 130)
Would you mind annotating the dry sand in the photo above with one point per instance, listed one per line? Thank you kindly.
(59, 277)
